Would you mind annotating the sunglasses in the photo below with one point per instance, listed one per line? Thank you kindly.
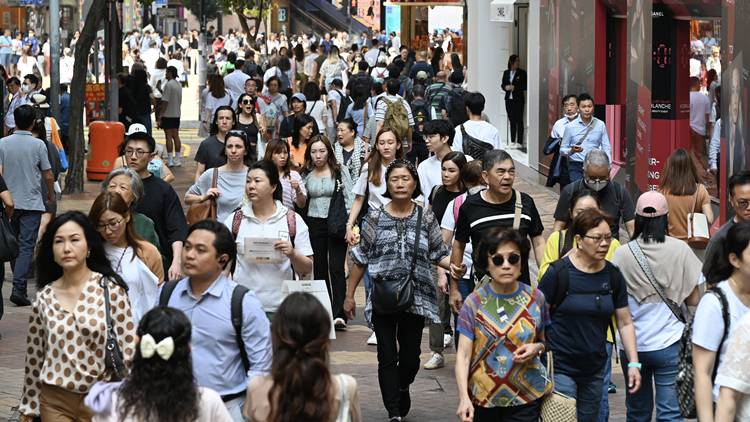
(499, 260)
(237, 133)
(246, 102)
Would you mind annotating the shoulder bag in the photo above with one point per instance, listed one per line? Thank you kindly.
(556, 406)
(395, 296)
(591, 127)
(9, 249)
(643, 262)
(337, 215)
(204, 210)
(473, 146)
(697, 225)
(112, 356)
(484, 280)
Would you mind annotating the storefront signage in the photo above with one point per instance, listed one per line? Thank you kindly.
(95, 103)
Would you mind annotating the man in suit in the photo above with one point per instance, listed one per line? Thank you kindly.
(514, 84)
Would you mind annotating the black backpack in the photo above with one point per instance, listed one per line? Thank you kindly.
(238, 294)
(454, 103)
(420, 111)
(343, 104)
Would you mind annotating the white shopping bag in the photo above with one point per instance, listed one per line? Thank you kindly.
(316, 288)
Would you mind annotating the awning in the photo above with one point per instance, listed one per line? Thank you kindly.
(460, 3)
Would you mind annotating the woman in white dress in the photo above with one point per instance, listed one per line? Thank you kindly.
(137, 261)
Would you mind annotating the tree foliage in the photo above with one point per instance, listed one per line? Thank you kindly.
(194, 6)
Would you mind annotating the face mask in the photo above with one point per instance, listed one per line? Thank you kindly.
(571, 116)
(358, 59)
(596, 185)
(25, 88)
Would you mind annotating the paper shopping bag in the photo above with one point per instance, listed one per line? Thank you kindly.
(316, 288)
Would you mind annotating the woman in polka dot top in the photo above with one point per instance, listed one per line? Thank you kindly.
(68, 326)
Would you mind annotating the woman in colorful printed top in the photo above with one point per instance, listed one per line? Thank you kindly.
(489, 367)
(293, 189)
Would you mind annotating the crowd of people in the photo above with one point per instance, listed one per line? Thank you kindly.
(345, 165)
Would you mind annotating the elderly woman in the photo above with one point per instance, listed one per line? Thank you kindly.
(584, 291)
(654, 260)
(389, 236)
(500, 355)
(350, 150)
(126, 182)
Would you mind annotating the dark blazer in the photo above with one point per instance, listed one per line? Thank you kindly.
(520, 83)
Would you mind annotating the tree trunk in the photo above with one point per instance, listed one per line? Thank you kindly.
(74, 180)
(243, 22)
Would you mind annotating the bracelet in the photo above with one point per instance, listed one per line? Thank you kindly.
(635, 365)
(349, 224)
(544, 345)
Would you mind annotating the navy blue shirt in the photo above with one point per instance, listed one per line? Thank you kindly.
(578, 329)
(64, 112)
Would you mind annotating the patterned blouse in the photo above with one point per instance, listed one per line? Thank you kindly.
(498, 325)
(354, 165)
(67, 349)
(386, 247)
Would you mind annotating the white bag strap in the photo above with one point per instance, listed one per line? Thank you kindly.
(519, 208)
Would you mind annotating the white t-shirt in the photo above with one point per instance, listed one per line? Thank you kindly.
(430, 175)
(376, 198)
(699, 108)
(735, 374)
(333, 94)
(213, 103)
(316, 110)
(266, 279)
(481, 130)
(449, 223)
(235, 83)
(708, 327)
(143, 285)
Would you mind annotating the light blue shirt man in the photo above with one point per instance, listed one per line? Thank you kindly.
(596, 139)
(216, 358)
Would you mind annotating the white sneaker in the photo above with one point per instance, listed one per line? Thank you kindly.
(339, 324)
(447, 340)
(436, 361)
(176, 161)
(373, 340)
(169, 163)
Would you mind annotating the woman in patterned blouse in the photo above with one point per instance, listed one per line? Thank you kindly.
(387, 243)
(498, 371)
(68, 326)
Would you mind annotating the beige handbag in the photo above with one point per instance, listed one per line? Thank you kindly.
(557, 407)
(697, 225)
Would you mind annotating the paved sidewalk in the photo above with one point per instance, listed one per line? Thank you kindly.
(434, 396)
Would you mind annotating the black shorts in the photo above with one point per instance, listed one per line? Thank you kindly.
(170, 122)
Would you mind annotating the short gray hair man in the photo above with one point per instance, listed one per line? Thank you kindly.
(135, 182)
(597, 158)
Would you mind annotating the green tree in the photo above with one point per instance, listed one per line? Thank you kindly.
(249, 10)
(194, 6)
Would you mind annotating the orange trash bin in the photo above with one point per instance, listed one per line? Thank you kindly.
(104, 138)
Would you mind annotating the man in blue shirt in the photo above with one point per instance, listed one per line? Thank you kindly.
(34, 43)
(64, 113)
(709, 40)
(145, 40)
(205, 296)
(5, 51)
(327, 43)
(582, 135)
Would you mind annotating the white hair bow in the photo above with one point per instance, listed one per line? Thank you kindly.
(164, 348)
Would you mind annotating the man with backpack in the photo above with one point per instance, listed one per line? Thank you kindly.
(338, 101)
(437, 90)
(475, 136)
(422, 113)
(452, 103)
(362, 78)
(231, 340)
(394, 112)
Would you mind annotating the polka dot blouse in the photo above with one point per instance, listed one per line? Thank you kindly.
(67, 349)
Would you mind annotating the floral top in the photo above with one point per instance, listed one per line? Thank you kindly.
(498, 325)
(734, 373)
(320, 192)
(386, 247)
(67, 349)
(330, 70)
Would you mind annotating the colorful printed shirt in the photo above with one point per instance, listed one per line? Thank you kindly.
(498, 325)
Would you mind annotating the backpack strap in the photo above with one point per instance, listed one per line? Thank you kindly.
(519, 208)
(238, 295)
(166, 292)
(615, 280)
(725, 317)
(560, 243)
(236, 221)
(457, 207)
(563, 283)
(291, 221)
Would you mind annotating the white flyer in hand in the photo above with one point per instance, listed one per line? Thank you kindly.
(259, 250)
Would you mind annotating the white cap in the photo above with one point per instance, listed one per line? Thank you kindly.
(136, 127)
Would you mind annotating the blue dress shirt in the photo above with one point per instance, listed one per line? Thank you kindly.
(216, 359)
(596, 139)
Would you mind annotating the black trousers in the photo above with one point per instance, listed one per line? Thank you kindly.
(418, 154)
(515, 117)
(528, 412)
(330, 257)
(397, 364)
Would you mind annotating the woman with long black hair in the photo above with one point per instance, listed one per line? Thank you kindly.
(301, 135)
(247, 121)
(68, 322)
(161, 386)
(360, 110)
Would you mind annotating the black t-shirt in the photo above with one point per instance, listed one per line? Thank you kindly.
(347, 155)
(615, 201)
(208, 153)
(477, 216)
(252, 136)
(162, 205)
(142, 95)
(194, 43)
(440, 201)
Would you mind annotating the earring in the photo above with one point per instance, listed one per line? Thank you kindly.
(88, 254)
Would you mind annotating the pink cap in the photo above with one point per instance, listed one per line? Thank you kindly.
(652, 204)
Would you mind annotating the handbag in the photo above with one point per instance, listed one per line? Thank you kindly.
(556, 407)
(203, 210)
(112, 356)
(337, 215)
(8, 243)
(395, 296)
(698, 233)
(643, 262)
(473, 146)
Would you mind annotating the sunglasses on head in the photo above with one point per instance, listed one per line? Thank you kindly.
(237, 133)
(498, 259)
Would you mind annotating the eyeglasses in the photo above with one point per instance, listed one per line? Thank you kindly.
(112, 226)
(598, 239)
(597, 182)
(498, 259)
(237, 133)
(138, 152)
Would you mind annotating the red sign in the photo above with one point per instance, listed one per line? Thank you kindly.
(95, 104)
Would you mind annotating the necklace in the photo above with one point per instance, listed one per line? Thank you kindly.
(739, 291)
(120, 261)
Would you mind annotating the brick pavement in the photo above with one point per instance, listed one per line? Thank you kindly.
(434, 396)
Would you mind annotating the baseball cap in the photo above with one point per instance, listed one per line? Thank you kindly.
(300, 96)
(652, 204)
(136, 127)
(421, 75)
(382, 59)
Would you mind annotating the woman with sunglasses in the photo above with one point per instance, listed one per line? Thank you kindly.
(579, 320)
(323, 177)
(248, 122)
(231, 177)
(208, 155)
(293, 189)
(137, 261)
(502, 325)
(387, 245)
